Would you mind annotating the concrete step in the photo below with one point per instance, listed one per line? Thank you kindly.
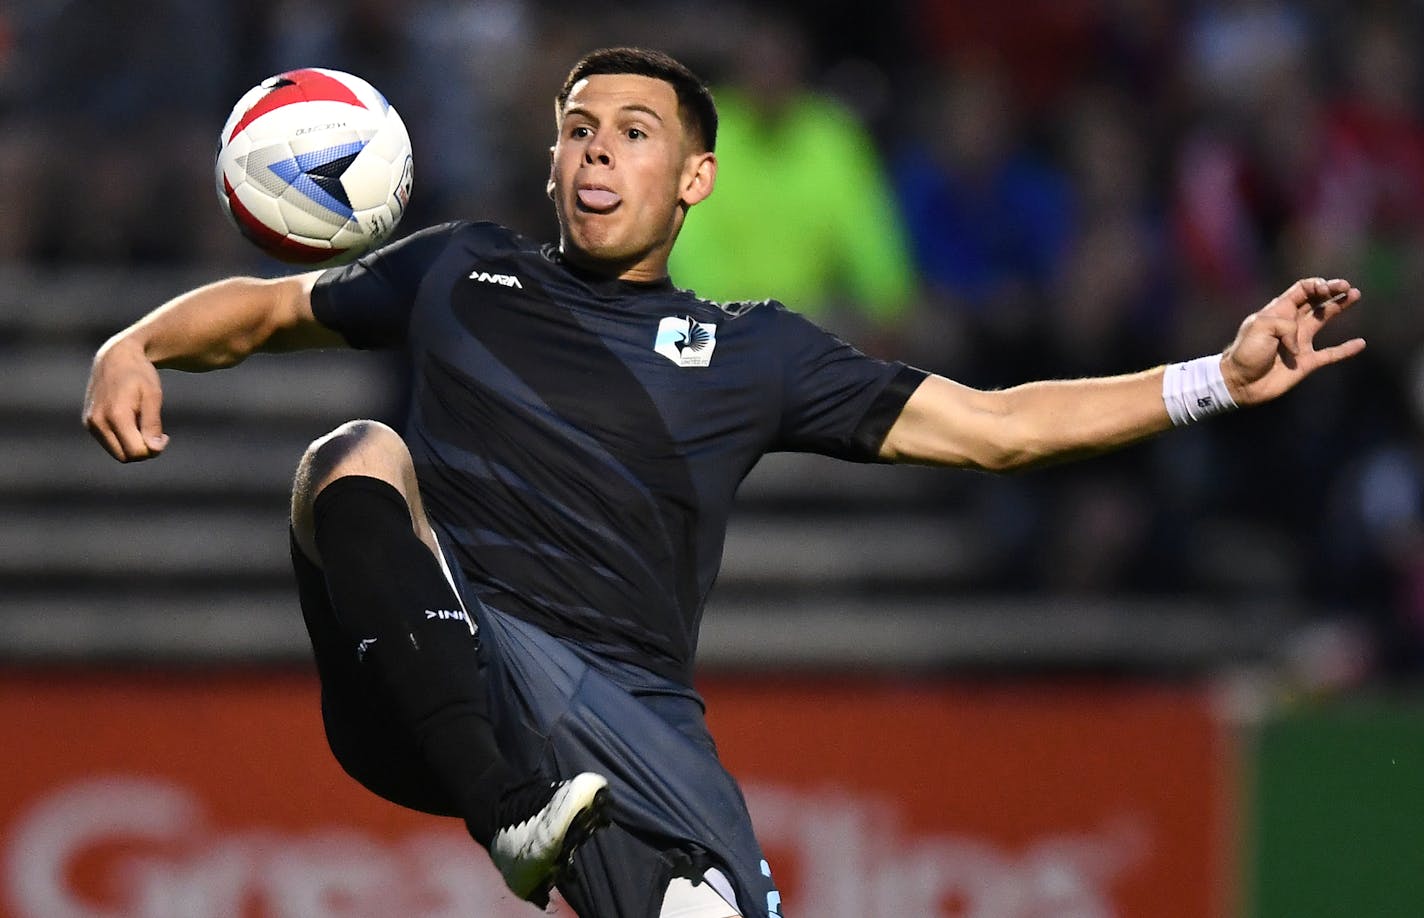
(843, 552)
(216, 462)
(324, 386)
(41, 547)
(265, 626)
(248, 455)
(250, 541)
(84, 302)
(798, 477)
(255, 625)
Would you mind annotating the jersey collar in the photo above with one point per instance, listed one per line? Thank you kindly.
(602, 283)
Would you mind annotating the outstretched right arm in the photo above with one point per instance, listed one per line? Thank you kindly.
(209, 328)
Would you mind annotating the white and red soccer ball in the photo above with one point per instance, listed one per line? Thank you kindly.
(314, 166)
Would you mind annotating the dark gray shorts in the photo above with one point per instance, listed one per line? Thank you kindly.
(559, 710)
(676, 811)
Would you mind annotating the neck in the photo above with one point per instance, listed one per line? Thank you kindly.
(645, 268)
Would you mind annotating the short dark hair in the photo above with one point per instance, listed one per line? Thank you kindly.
(694, 100)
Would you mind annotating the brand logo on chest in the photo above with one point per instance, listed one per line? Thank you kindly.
(686, 341)
(504, 280)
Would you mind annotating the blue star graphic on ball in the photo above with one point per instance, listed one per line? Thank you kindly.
(317, 174)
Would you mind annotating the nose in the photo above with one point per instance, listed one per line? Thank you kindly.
(596, 153)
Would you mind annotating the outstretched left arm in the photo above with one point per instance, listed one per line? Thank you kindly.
(945, 423)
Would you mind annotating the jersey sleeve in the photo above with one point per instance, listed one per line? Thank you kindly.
(369, 301)
(837, 401)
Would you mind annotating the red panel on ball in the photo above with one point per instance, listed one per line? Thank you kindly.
(305, 86)
(269, 240)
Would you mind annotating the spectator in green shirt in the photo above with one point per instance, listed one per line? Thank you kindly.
(803, 208)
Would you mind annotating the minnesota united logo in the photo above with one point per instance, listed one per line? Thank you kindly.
(686, 341)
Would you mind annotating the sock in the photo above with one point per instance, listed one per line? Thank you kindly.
(383, 582)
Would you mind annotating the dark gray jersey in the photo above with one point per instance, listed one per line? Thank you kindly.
(579, 439)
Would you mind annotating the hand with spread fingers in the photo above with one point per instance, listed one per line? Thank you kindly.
(1275, 347)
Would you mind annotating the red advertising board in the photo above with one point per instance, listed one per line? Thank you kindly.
(999, 801)
(213, 795)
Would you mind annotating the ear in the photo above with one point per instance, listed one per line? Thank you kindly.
(549, 185)
(699, 174)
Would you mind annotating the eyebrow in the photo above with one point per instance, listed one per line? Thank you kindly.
(630, 107)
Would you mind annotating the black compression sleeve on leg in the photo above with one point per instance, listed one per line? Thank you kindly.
(389, 593)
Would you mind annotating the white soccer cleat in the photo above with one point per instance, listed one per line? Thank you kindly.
(542, 827)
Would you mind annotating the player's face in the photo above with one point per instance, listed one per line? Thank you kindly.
(624, 172)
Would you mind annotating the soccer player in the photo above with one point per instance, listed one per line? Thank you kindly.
(504, 598)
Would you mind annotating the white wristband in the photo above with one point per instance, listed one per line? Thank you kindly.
(1195, 390)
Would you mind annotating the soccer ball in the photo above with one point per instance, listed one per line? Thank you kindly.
(314, 166)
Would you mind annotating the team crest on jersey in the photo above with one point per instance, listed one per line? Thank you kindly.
(686, 341)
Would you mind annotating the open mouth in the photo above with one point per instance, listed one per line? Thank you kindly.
(598, 200)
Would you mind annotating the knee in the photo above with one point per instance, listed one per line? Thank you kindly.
(355, 448)
(367, 448)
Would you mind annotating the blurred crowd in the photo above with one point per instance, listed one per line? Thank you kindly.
(997, 192)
